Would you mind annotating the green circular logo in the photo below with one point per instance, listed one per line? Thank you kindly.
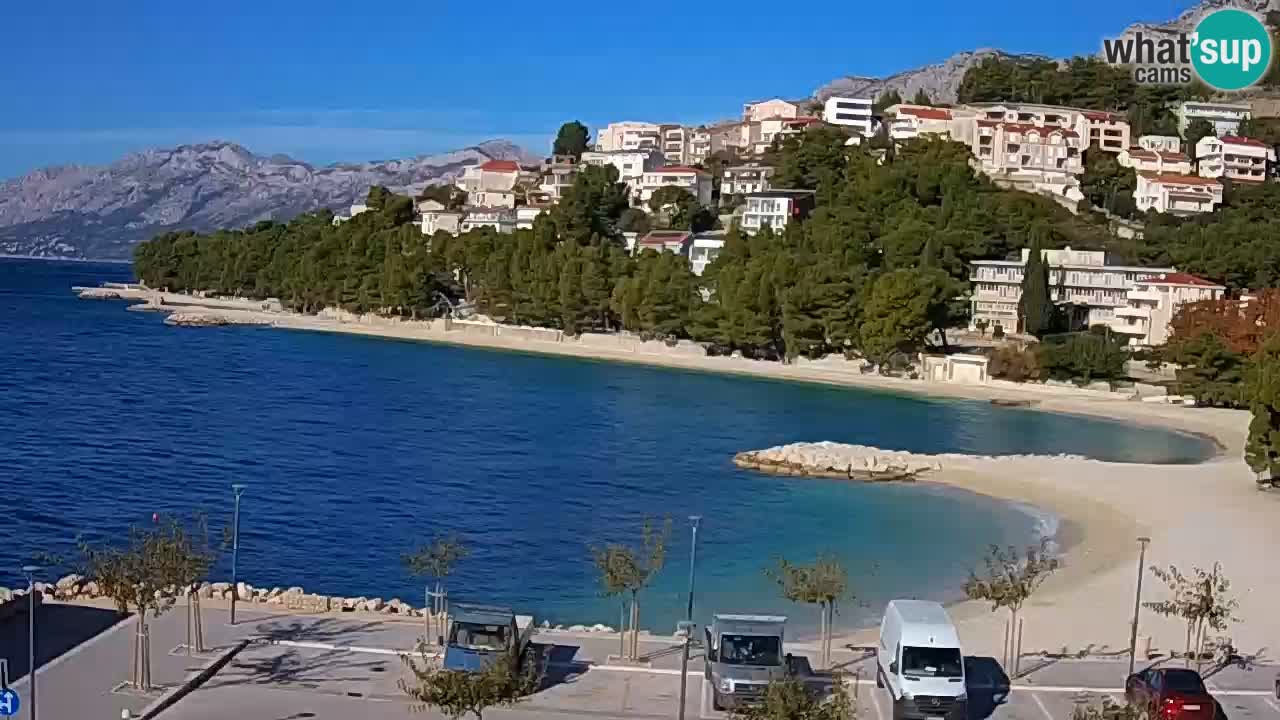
(1231, 49)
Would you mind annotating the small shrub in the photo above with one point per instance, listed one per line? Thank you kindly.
(1014, 363)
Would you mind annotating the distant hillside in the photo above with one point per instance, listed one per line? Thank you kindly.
(942, 80)
(102, 212)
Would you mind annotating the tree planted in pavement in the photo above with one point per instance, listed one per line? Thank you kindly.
(625, 569)
(824, 583)
(1009, 579)
(1202, 600)
(792, 699)
(153, 567)
(455, 693)
(435, 561)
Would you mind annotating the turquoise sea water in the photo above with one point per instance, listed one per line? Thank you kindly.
(353, 448)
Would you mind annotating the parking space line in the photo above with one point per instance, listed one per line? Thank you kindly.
(1274, 706)
(875, 702)
(1040, 704)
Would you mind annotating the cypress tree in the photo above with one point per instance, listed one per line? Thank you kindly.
(1034, 306)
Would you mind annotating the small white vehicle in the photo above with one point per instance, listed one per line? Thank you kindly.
(919, 660)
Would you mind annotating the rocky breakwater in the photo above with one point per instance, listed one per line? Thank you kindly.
(100, 293)
(208, 319)
(838, 460)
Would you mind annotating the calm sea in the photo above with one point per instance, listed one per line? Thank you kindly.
(354, 448)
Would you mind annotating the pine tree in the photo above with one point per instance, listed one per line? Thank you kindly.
(1034, 306)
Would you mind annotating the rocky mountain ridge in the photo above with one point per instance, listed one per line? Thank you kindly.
(102, 212)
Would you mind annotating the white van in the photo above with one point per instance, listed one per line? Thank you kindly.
(920, 661)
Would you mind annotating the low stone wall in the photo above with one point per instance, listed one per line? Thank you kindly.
(474, 329)
(533, 334)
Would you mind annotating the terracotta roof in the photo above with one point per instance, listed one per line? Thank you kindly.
(501, 166)
(926, 113)
(1177, 179)
(1173, 156)
(1236, 140)
(1102, 116)
(662, 237)
(1180, 278)
(678, 169)
(802, 121)
(1143, 153)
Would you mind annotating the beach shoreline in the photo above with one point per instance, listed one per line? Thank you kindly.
(1102, 506)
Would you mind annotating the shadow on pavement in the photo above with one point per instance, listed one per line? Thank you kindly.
(291, 668)
(987, 685)
(59, 628)
(323, 630)
(559, 663)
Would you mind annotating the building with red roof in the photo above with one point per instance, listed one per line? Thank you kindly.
(1157, 162)
(1152, 302)
(1177, 193)
(1239, 159)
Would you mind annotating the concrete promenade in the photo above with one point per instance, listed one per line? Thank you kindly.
(348, 665)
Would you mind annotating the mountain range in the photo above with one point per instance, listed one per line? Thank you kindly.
(102, 212)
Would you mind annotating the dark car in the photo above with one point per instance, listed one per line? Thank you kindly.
(1170, 694)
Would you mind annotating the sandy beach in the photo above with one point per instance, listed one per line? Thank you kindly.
(1194, 514)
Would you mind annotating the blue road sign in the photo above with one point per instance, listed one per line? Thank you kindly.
(8, 703)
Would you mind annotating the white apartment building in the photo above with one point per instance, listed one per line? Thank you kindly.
(1037, 158)
(1109, 131)
(746, 179)
(1145, 319)
(628, 135)
(703, 248)
(1081, 277)
(677, 142)
(433, 217)
(1225, 117)
(1177, 194)
(775, 208)
(1236, 158)
(526, 214)
(710, 139)
(1158, 162)
(849, 112)
(1161, 143)
(697, 182)
(492, 198)
(631, 164)
(501, 219)
(558, 174)
(763, 109)
(912, 121)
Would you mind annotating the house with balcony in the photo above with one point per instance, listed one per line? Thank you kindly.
(1079, 277)
(1046, 159)
(704, 247)
(1239, 159)
(852, 113)
(492, 198)
(772, 108)
(1225, 117)
(745, 179)
(775, 208)
(706, 140)
(1108, 131)
(558, 175)
(1152, 303)
(672, 241)
(502, 220)
(1177, 194)
(907, 122)
(696, 182)
(1158, 162)
(434, 217)
(629, 135)
(1105, 130)
(630, 164)
(677, 141)
(1165, 143)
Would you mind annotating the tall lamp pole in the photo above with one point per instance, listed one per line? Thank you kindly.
(688, 623)
(30, 571)
(238, 489)
(1137, 602)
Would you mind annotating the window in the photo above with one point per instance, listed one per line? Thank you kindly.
(931, 662)
(753, 650)
(481, 637)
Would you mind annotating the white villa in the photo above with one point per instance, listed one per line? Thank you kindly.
(1152, 303)
(746, 179)
(1158, 162)
(1177, 194)
(1225, 117)
(697, 182)
(1240, 159)
(775, 208)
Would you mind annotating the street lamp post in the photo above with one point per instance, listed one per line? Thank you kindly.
(238, 489)
(688, 623)
(30, 571)
(1137, 602)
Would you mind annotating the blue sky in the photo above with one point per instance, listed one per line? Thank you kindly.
(85, 81)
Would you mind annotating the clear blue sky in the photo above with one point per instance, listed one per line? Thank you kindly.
(84, 81)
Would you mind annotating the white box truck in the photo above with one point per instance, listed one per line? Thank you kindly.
(918, 659)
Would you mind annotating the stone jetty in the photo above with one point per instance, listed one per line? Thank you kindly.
(210, 319)
(100, 293)
(838, 460)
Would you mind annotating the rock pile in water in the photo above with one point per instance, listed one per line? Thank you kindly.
(837, 460)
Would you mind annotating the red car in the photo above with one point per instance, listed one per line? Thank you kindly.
(1170, 694)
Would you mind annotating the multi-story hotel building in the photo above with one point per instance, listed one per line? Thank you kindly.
(1081, 277)
(1145, 319)
(1235, 158)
